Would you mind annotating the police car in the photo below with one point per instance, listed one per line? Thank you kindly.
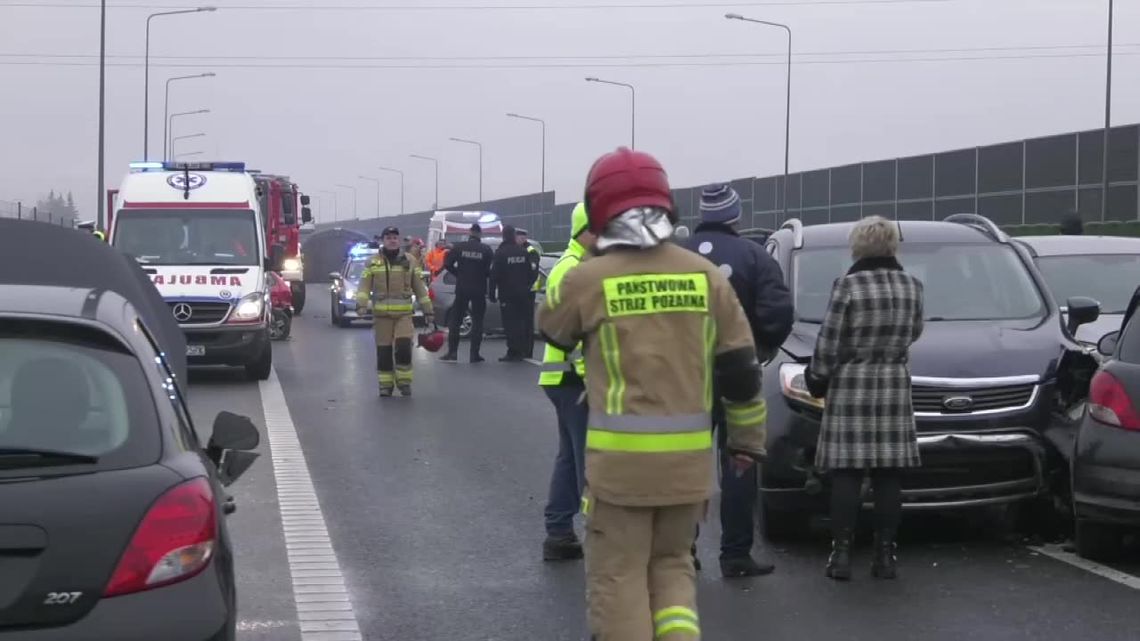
(345, 283)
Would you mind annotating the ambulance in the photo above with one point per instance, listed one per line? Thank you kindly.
(197, 230)
(455, 226)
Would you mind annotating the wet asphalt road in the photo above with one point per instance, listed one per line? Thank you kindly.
(434, 506)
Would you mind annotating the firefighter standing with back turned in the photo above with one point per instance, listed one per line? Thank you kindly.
(388, 283)
(512, 275)
(661, 326)
(470, 262)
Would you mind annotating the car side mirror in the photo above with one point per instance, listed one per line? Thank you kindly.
(1107, 343)
(1082, 311)
(234, 432)
(305, 200)
(306, 214)
(334, 276)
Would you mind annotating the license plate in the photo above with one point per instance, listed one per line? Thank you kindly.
(195, 350)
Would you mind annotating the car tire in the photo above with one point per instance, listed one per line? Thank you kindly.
(466, 326)
(298, 297)
(1098, 541)
(260, 369)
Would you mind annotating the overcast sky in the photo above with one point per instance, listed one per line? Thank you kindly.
(288, 99)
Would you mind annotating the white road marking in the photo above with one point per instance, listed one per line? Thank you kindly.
(324, 608)
(533, 361)
(1058, 553)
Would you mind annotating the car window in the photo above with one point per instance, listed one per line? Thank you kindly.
(356, 269)
(962, 281)
(69, 397)
(1109, 279)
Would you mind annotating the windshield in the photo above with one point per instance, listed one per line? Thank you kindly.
(961, 282)
(356, 268)
(1109, 279)
(69, 398)
(188, 237)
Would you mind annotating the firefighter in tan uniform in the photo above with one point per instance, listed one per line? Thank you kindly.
(387, 284)
(661, 328)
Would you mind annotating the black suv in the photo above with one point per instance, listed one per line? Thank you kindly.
(994, 363)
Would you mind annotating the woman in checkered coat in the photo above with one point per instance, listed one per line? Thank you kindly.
(860, 367)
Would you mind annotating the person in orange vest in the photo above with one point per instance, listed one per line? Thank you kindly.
(434, 259)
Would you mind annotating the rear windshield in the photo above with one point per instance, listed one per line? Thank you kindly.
(78, 399)
(1109, 278)
(962, 281)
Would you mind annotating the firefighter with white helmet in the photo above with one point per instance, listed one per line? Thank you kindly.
(649, 463)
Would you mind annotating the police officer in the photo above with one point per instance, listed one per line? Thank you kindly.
(660, 326)
(539, 283)
(470, 262)
(513, 275)
(388, 282)
(563, 379)
(759, 285)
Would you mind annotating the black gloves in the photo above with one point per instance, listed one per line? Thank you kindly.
(816, 386)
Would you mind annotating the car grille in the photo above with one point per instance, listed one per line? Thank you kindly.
(200, 313)
(932, 400)
(948, 469)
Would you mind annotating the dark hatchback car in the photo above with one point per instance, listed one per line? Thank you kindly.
(994, 361)
(112, 515)
(1106, 460)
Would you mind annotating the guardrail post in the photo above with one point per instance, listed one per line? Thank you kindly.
(19, 210)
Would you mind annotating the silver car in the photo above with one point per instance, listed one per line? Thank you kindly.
(343, 293)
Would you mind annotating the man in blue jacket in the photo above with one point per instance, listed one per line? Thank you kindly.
(759, 284)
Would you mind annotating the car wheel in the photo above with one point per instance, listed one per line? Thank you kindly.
(298, 297)
(260, 369)
(334, 310)
(279, 325)
(1098, 541)
(466, 326)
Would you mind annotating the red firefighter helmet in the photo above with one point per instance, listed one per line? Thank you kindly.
(432, 341)
(623, 180)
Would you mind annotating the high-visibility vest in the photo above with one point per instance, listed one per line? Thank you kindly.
(555, 362)
(540, 281)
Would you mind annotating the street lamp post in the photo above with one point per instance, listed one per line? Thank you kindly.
(146, 73)
(186, 137)
(377, 181)
(788, 107)
(542, 122)
(480, 146)
(632, 107)
(170, 120)
(434, 162)
(100, 198)
(166, 107)
(355, 214)
(397, 171)
(1107, 120)
(336, 208)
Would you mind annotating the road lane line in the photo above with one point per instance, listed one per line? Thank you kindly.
(1058, 553)
(324, 608)
(533, 361)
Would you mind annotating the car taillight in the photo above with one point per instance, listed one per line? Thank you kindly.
(1109, 402)
(431, 293)
(174, 542)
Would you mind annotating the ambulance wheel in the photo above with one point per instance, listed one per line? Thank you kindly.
(298, 297)
(260, 369)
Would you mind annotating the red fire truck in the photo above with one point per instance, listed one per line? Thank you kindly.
(281, 201)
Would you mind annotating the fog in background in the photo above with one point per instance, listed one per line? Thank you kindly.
(327, 91)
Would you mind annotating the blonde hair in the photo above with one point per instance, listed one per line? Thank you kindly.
(874, 237)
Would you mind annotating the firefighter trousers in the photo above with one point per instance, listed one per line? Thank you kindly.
(393, 349)
(640, 581)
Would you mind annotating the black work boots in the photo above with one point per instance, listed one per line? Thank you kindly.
(839, 563)
(561, 548)
(884, 564)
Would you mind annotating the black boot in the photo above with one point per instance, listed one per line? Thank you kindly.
(735, 567)
(561, 548)
(839, 563)
(885, 565)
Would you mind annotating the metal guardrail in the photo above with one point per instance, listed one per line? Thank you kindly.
(17, 210)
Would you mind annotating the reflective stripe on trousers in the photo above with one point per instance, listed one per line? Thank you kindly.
(676, 619)
(632, 433)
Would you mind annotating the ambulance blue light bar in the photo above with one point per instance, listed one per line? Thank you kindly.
(233, 167)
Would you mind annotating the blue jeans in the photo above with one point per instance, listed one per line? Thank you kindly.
(737, 497)
(569, 474)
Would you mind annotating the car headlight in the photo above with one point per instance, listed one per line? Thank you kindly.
(349, 292)
(794, 387)
(249, 308)
(291, 265)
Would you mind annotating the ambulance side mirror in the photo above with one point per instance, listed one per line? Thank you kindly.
(305, 200)
(306, 214)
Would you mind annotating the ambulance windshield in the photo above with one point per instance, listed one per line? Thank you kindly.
(188, 237)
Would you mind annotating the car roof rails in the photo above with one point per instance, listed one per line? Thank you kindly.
(797, 228)
(981, 223)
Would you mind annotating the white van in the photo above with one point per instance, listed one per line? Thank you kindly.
(455, 226)
(197, 229)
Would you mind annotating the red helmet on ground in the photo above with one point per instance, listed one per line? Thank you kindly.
(623, 180)
(432, 341)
